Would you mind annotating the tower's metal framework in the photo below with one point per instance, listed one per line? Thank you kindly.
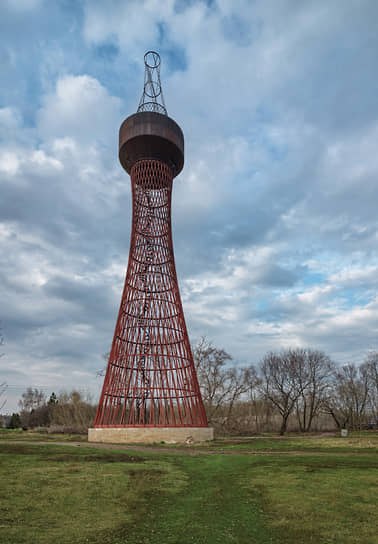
(151, 379)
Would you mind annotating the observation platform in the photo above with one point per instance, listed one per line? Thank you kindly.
(151, 135)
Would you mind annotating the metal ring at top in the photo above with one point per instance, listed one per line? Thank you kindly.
(152, 89)
(152, 59)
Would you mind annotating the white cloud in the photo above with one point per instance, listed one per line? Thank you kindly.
(131, 22)
(80, 108)
(9, 162)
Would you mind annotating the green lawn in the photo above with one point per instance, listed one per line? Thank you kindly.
(68, 494)
(27, 436)
(355, 443)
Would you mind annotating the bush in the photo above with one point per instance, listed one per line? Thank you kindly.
(72, 413)
(39, 417)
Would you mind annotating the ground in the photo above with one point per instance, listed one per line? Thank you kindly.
(261, 490)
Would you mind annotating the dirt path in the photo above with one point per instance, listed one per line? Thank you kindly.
(183, 450)
(102, 446)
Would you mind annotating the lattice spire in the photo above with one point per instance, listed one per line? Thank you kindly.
(152, 98)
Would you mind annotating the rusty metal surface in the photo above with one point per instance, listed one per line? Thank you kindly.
(151, 135)
(151, 378)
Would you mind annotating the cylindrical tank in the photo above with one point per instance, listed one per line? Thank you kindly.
(150, 135)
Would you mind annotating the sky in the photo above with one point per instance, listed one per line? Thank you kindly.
(274, 215)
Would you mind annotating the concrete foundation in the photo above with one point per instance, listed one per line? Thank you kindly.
(149, 435)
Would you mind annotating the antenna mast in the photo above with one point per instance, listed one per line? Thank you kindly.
(152, 97)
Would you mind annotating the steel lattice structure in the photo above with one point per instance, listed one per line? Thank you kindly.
(152, 97)
(151, 378)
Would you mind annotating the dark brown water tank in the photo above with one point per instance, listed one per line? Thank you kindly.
(150, 135)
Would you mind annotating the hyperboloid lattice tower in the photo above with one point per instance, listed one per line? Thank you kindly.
(150, 391)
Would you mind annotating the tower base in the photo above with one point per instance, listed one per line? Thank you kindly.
(149, 435)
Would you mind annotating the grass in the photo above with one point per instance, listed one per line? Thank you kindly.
(19, 434)
(355, 443)
(77, 495)
(321, 501)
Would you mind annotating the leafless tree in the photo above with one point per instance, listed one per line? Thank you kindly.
(280, 384)
(221, 385)
(314, 370)
(239, 381)
(102, 371)
(210, 365)
(32, 399)
(33, 409)
(347, 400)
(256, 406)
(371, 367)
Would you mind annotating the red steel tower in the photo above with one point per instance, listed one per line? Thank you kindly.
(150, 391)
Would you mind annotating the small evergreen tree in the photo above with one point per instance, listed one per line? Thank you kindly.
(15, 422)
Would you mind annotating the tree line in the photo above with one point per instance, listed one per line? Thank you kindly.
(298, 389)
(70, 412)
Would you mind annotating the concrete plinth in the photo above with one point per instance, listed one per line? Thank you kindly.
(148, 435)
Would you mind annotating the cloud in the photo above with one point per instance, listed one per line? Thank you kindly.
(274, 214)
(80, 108)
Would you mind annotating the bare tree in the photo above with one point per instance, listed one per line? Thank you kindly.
(210, 365)
(314, 370)
(221, 385)
(32, 399)
(371, 367)
(239, 382)
(347, 401)
(102, 371)
(280, 384)
(256, 406)
(33, 409)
